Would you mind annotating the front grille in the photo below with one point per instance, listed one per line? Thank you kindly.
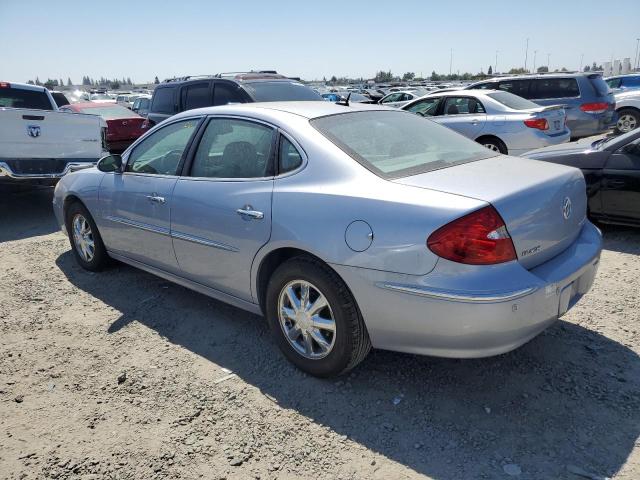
(37, 165)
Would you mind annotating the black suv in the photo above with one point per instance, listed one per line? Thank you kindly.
(186, 93)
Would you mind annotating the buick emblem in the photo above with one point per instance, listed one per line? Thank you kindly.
(566, 208)
(33, 130)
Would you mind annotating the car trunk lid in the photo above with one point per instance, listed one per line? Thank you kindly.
(554, 116)
(543, 205)
(124, 128)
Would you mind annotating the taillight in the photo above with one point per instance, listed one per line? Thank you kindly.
(479, 238)
(5, 85)
(596, 107)
(539, 123)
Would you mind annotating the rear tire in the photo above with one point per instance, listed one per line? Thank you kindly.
(493, 143)
(85, 239)
(628, 119)
(324, 342)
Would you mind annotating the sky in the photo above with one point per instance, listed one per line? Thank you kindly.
(306, 39)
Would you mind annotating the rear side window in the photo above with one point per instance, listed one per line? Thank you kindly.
(19, 98)
(196, 96)
(60, 99)
(225, 93)
(517, 87)
(554, 88)
(233, 149)
(280, 91)
(163, 100)
(289, 158)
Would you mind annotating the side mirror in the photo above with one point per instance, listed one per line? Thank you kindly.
(110, 164)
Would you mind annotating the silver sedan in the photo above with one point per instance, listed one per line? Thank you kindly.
(347, 226)
(500, 121)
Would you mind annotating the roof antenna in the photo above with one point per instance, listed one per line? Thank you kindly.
(344, 102)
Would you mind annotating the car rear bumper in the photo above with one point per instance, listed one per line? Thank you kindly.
(43, 173)
(465, 311)
(587, 124)
(540, 139)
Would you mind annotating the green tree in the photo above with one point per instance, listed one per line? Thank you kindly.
(408, 76)
(518, 71)
(156, 81)
(69, 84)
(435, 77)
(490, 70)
(115, 85)
(543, 69)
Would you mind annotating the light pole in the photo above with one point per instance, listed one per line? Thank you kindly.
(637, 60)
(581, 62)
(548, 62)
(495, 68)
(450, 61)
(526, 54)
(535, 54)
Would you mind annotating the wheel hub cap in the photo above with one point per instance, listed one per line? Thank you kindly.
(83, 238)
(306, 319)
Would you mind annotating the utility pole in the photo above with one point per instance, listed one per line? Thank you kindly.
(450, 61)
(526, 54)
(548, 62)
(637, 59)
(495, 68)
(581, 62)
(535, 54)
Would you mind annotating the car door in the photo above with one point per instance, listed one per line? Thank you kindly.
(620, 186)
(221, 207)
(465, 115)
(137, 203)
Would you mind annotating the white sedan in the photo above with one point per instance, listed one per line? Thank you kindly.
(398, 99)
(499, 120)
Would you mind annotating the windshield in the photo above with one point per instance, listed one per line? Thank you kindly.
(513, 101)
(109, 113)
(280, 91)
(398, 144)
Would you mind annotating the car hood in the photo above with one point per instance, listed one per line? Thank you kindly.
(581, 146)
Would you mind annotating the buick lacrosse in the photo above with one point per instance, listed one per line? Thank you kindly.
(347, 226)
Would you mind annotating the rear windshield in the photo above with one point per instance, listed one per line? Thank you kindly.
(280, 91)
(398, 144)
(513, 101)
(600, 85)
(109, 113)
(19, 98)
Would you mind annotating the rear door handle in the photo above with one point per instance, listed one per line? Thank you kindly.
(248, 212)
(155, 198)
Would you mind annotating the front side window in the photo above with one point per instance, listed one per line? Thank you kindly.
(462, 105)
(160, 153)
(232, 148)
(394, 97)
(397, 144)
(426, 107)
(554, 88)
(163, 101)
(289, 157)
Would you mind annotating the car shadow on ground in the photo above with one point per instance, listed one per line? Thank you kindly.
(25, 211)
(621, 239)
(568, 397)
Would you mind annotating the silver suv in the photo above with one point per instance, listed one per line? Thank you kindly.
(587, 99)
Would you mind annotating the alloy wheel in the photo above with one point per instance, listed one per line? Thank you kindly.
(626, 123)
(491, 146)
(306, 319)
(83, 237)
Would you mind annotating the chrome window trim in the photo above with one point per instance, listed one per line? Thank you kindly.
(456, 296)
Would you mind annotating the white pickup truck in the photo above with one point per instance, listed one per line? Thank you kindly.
(40, 144)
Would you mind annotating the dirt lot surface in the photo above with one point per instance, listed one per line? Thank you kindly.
(123, 375)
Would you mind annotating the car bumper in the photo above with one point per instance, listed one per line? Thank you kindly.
(465, 311)
(587, 124)
(539, 139)
(7, 171)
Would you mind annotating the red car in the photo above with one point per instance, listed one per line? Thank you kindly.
(123, 125)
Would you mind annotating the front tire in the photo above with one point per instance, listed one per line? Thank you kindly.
(628, 119)
(86, 242)
(314, 318)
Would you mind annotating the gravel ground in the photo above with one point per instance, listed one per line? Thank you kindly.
(124, 375)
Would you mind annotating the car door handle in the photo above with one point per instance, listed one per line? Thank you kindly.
(248, 211)
(475, 121)
(155, 198)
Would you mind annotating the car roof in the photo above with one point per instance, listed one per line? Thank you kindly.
(25, 86)
(307, 109)
(539, 76)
